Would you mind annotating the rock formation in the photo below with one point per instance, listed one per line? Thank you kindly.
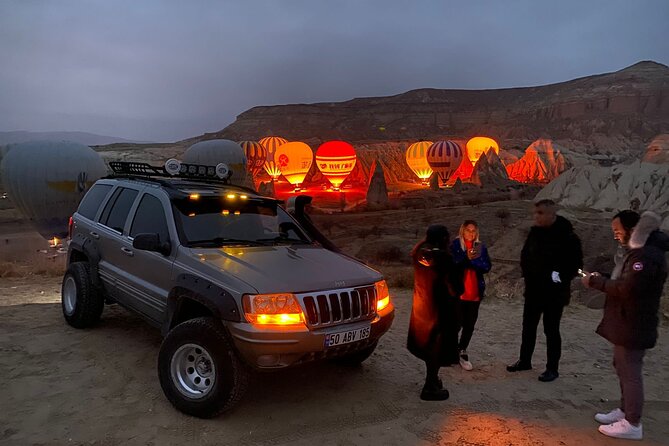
(489, 171)
(541, 163)
(658, 150)
(377, 193)
(618, 112)
(613, 188)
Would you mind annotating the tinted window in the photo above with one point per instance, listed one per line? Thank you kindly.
(116, 211)
(92, 200)
(150, 218)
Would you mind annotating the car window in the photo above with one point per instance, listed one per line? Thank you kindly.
(92, 200)
(212, 221)
(150, 218)
(118, 208)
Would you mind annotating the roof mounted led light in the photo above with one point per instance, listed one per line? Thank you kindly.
(222, 171)
(172, 166)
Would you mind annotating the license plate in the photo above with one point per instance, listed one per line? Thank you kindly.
(346, 337)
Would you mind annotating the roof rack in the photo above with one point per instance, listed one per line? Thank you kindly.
(183, 170)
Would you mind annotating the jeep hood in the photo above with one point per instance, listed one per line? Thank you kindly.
(296, 269)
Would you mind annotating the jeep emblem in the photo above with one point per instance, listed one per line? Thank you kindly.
(340, 283)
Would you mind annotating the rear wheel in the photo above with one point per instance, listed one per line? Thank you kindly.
(199, 371)
(81, 302)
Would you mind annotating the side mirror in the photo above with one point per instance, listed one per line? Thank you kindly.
(151, 242)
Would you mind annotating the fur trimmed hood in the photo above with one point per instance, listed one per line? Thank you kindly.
(647, 232)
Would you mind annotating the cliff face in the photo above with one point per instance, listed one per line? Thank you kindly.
(615, 113)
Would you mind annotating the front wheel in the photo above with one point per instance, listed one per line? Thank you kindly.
(199, 371)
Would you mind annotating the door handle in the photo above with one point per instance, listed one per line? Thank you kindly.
(95, 235)
(127, 252)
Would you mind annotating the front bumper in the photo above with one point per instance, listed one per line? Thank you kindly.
(279, 347)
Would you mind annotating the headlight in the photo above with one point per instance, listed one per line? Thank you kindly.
(272, 309)
(382, 295)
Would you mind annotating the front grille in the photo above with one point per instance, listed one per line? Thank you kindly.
(334, 307)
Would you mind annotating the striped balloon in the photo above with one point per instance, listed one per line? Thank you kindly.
(416, 157)
(335, 160)
(444, 157)
(256, 155)
(271, 143)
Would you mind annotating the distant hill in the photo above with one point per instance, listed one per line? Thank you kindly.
(88, 139)
(616, 113)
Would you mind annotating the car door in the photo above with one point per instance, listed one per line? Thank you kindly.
(148, 273)
(114, 253)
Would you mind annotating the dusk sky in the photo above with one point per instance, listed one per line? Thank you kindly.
(170, 70)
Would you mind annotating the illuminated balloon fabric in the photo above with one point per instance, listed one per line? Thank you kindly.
(271, 143)
(335, 160)
(46, 180)
(416, 156)
(214, 151)
(480, 145)
(255, 155)
(444, 158)
(294, 160)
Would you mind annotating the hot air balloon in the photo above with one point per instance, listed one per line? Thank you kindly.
(335, 160)
(255, 156)
(480, 145)
(294, 160)
(214, 151)
(271, 143)
(46, 180)
(416, 157)
(444, 157)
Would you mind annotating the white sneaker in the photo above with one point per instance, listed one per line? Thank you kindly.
(622, 429)
(464, 361)
(611, 417)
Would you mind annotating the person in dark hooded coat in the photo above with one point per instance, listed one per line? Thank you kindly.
(433, 329)
(630, 317)
(549, 260)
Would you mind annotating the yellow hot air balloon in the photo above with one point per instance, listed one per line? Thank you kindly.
(271, 143)
(416, 157)
(294, 160)
(479, 145)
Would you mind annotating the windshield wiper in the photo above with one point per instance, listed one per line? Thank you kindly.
(222, 241)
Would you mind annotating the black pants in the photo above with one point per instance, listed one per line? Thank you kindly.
(468, 314)
(552, 313)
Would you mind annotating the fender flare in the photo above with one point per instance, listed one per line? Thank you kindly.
(218, 300)
(90, 249)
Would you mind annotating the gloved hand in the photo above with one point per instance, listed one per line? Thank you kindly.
(556, 277)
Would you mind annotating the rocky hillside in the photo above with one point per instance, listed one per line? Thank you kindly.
(615, 113)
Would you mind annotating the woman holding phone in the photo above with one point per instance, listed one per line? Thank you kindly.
(472, 256)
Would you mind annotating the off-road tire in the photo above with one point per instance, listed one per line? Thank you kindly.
(231, 375)
(81, 302)
(356, 358)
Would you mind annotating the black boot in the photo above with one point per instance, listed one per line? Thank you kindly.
(433, 390)
(519, 366)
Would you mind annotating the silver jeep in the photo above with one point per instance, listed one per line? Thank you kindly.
(232, 280)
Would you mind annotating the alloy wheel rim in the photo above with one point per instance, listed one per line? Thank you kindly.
(193, 371)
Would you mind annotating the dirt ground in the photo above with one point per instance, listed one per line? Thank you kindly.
(64, 386)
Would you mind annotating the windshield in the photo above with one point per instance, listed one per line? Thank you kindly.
(218, 221)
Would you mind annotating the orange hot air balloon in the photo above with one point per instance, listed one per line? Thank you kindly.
(444, 157)
(416, 157)
(479, 145)
(271, 143)
(335, 160)
(256, 154)
(294, 160)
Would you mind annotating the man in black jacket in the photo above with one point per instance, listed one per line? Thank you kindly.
(631, 318)
(550, 259)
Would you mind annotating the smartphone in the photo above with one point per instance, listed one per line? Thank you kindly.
(582, 273)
